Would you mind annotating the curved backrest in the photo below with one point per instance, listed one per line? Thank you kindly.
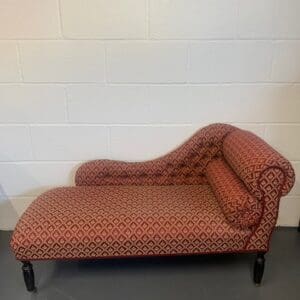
(184, 165)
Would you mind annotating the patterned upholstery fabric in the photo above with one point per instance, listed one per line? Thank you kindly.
(185, 165)
(238, 205)
(249, 156)
(81, 222)
(271, 183)
(185, 202)
(266, 173)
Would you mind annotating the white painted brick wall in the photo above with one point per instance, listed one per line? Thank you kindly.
(286, 19)
(29, 19)
(230, 61)
(286, 61)
(132, 79)
(73, 142)
(146, 62)
(9, 62)
(194, 19)
(15, 143)
(33, 177)
(32, 103)
(255, 19)
(62, 61)
(133, 143)
(104, 19)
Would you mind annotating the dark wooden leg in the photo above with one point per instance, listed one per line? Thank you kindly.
(28, 276)
(259, 267)
(299, 226)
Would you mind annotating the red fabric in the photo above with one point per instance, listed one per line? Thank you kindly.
(185, 165)
(81, 222)
(163, 206)
(266, 173)
(238, 205)
(271, 183)
(249, 156)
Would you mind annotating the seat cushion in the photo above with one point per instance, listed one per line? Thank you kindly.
(94, 222)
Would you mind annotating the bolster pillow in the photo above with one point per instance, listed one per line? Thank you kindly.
(238, 205)
(249, 156)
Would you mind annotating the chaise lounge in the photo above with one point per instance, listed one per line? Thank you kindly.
(217, 193)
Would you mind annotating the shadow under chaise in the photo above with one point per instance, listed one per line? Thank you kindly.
(217, 193)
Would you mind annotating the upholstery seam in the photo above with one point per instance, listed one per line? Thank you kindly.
(143, 255)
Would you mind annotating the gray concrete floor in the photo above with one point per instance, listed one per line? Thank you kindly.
(197, 277)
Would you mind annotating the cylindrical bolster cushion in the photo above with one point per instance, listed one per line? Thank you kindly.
(249, 156)
(238, 205)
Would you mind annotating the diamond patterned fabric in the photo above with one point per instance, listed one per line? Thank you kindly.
(271, 183)
(238, 205)
(249, 156)
(95, 222)
(267, 175)
(218, 192)
(185, 165)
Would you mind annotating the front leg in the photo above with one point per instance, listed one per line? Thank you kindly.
(28, 275)
(259, 267)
